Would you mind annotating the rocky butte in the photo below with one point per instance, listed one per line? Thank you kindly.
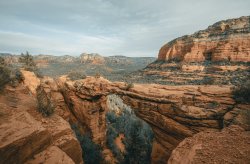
(219, 54)
(224, 40)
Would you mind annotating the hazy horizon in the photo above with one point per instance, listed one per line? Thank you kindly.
(60, 55)
(135, 28)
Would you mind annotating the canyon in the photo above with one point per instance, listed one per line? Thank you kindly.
(192, 122)
(173, 112)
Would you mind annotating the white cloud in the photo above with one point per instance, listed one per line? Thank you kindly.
(20, 42)
(108, 27)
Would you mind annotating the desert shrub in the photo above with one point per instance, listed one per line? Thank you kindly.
(246, 116)
(19, 76)
(76, 75)
(2, 61)
(138, 134)
(28, 61)
(91, 152)
(9, 74)
(29, 64)
(111, 136)
(97, 75)
(213, 104)
(129, 86)
(241, 93)
(111, 118)
(4, 75)
(138, 149)
(44, 102)
(207, 80)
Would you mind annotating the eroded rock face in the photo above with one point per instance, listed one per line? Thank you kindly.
(174, 112)
(21, 136)
(31, 81)
(49, 91)
(92, 58)
(51, 155)
(231, 145)
(24, 132)
(225, 40)
(87, 104)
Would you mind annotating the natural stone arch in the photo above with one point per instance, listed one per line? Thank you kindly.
(173, 112)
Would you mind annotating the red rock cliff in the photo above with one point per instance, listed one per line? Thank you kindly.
(28, 137)
(224, 40)
(173, 112)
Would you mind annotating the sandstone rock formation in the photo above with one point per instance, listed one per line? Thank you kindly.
(221, 52)
(231, 145)
(225, 40)
(51, 155)
(21, 136)
(87, 106)
(43, 59)
(174, 112)
(92, 58)
(31, 81)
(25, 133)
(50, 92)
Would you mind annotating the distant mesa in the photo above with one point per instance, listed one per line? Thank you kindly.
(92, 58)
(227, 40)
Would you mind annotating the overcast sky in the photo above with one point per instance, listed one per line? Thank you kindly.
(107, 27)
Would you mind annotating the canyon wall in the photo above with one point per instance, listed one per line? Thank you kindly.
(225, 40)
(173, 112)
(28, 137)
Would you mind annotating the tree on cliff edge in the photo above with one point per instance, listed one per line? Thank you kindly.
(28, 61)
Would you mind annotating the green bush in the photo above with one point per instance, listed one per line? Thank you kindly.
(138, 150)
(97, 75)
(129, 86)
(137, 141)
(19, 76)
(76, 75)
(207, 80)
(241, 93)
(2, 61)
(29, 64)
(91, 152)
(45, 105)
(4, 76)
(28, 61)
(8, 74)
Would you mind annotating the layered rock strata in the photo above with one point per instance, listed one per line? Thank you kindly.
(227, 40)
(27, 136)
(174, 112)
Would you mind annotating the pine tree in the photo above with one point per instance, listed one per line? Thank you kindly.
(28, 61)
(136, 147)
(2, 61)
